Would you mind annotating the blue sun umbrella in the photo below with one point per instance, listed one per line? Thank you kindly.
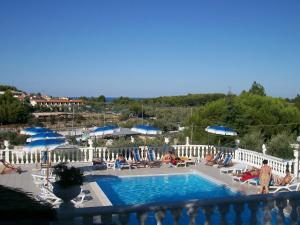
(35, 130)
(221, 130)
(146, 129)
(47, 135)
(100, 131)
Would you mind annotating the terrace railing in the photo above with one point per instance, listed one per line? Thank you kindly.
(281, 208)
(86, 154)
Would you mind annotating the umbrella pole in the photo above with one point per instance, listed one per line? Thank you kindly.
(47, 170)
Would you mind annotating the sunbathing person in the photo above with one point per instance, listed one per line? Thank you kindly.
(6, 167)
(215, 160)
(209, 157)
(254, 173)
(285, 180)
(171, 158)
(120, 161)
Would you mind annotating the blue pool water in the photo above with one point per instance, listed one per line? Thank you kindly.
(167, 188)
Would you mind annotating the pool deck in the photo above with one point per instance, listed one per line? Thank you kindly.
(25, 180)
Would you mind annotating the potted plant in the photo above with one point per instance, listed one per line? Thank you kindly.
(68, 183)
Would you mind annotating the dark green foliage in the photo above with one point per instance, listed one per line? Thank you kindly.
(123, 100)
(186, 100)
(257, 89)
(12, 110)
(252, 140)
(245, 113)
(279, 146)
(8, 88)
(68, 176)
(13, 137)
(101, 99)
(296, 100)
(17, 205)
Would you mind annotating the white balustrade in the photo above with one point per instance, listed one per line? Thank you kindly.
(282, 208)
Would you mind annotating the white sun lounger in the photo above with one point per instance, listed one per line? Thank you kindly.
(40, 179)
(238, 168)
(47, 195)
(292, 186)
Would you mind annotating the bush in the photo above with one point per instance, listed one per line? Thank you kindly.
(280, 146)
(68, 176)
(252, 141)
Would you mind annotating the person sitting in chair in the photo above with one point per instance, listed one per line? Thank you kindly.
(285, 180)
(6, 167)
(120, 161)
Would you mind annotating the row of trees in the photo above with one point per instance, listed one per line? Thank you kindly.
(257, 118)
(12, 110)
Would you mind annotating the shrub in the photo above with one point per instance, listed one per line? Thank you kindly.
(280, 146)
(68, 176)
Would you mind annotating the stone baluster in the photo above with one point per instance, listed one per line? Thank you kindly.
(17, 158)
(280, 204)
(142, 217)
(106, 219)
(176, 214)
(192, 213)
(90, 159)
(113, 156)
(86, 155)
(194, 152)
(87, 220)
(54, 158)
(207, 210)
(26, 157)
(159, 216)
(238, 208)
(69, 154)
(223, 209)
(124, 218)
(254, 206)
(295, 210)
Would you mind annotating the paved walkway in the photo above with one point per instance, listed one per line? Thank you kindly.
(25, 180)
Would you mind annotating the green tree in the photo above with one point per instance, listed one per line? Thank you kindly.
(296, 100)
(280, 145)
(101, 99)
(257, 89)
(12, 110)
(252, 141)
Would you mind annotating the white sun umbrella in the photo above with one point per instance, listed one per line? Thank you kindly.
(146, 129)
(106, 130)
(226, 131)
(34, 130)
(45, 145)
(47, 135)
(221, 130)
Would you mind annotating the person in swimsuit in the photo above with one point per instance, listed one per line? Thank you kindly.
(265, 177)
(285, 180)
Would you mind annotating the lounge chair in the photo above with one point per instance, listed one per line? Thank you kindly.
(47, 195)
(137, 160)
(40, 179)
(292, 186)
(238, 168)
(226, 162)
(152, 162)
(215, 160)
(6, 167)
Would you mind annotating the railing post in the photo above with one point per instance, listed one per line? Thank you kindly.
(296, 163)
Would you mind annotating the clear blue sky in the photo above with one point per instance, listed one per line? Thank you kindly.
(150, 48)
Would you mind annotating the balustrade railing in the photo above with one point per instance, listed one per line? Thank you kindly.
(255, 159)
(86, 154)
(281, 208)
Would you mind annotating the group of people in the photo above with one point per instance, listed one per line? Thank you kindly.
(266, 178)
(264, 174)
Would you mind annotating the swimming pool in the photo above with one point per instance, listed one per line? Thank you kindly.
(161, 188)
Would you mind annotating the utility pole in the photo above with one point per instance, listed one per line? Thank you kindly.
(192, 129)
(72, 122)
(142, 114)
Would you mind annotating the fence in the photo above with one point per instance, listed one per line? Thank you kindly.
(86, 154)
